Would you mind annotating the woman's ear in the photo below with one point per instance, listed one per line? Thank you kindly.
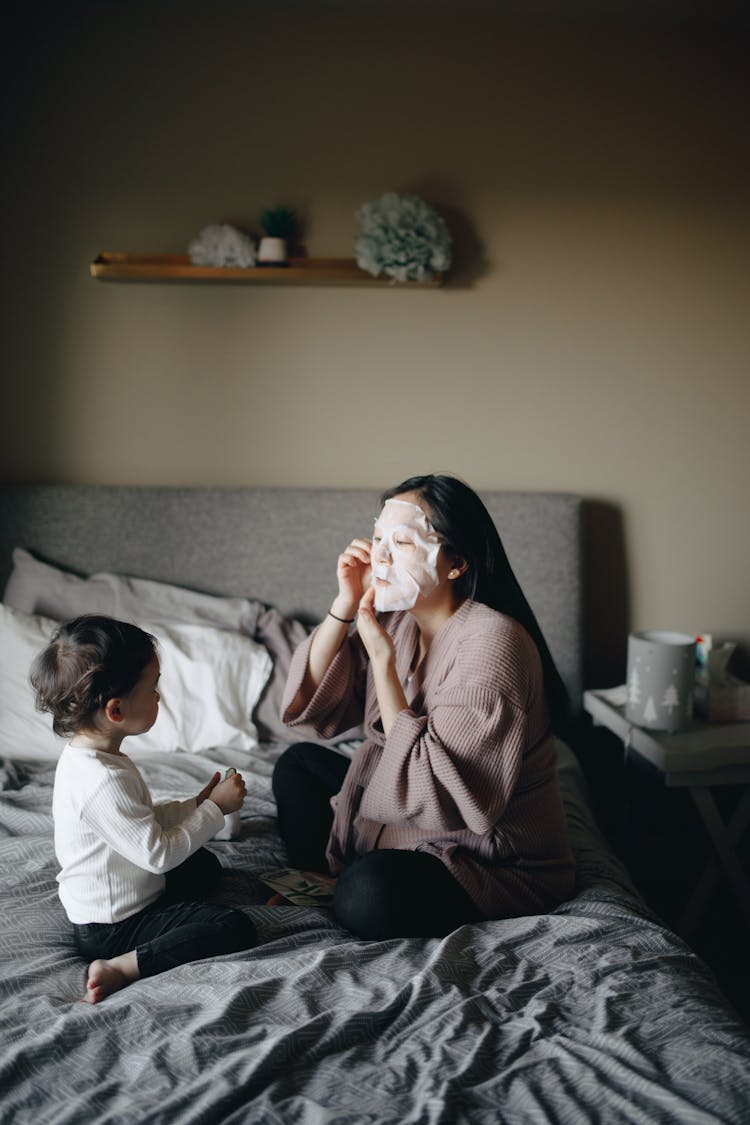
(113, 710)
(459, 567)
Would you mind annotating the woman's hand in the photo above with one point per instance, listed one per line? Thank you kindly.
(353, 572)
(377, 642)
(379, 647)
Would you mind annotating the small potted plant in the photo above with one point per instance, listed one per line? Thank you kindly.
(278, 225)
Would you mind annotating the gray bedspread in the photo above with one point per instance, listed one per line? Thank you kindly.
(595, 1012)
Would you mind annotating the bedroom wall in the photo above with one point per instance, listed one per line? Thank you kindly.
(594, 334)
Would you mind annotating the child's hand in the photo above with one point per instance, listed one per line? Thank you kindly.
(204, 793)
(229, 793)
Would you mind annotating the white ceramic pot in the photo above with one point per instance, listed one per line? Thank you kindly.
(272, 252)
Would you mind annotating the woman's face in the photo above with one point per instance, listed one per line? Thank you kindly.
(405, 550)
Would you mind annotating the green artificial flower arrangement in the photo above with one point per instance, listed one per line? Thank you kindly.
(403, 237)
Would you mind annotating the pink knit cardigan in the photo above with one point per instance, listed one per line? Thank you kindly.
(467, 773)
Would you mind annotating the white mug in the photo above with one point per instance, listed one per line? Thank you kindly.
(661, 677)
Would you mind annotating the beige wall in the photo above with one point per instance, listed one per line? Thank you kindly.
(594, 337)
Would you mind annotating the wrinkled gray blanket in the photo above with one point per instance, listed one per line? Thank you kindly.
(595, 1012)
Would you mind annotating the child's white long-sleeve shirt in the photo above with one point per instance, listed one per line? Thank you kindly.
(112, 842)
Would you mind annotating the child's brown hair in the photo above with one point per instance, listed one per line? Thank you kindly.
(88, 661)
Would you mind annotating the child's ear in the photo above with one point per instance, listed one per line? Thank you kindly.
(113, 710)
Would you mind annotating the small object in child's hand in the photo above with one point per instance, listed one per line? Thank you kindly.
(232, 827)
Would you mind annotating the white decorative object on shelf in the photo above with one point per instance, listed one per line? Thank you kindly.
(222, 246)
(279, 225)
(272, 251)
(403, 237)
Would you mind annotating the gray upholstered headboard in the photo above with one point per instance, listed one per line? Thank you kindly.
(280, 545)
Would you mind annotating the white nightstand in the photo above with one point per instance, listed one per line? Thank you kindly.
(706, 755)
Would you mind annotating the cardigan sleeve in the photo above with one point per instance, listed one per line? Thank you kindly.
(458, 765)
(338, 703)
(456, 768)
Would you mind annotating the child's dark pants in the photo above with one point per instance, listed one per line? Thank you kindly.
(176, 928)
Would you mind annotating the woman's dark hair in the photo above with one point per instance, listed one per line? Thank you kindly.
(467, 531)
(89, 661)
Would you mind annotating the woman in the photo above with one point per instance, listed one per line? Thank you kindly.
(450, 811)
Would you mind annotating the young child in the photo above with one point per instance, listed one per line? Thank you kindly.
(128, 865)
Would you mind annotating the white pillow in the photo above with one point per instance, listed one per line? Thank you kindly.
(39, 587)
(24, 731)
(211, 680)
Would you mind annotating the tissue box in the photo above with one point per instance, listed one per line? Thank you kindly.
(719, 696)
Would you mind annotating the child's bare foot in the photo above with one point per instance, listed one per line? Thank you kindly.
(106, 977)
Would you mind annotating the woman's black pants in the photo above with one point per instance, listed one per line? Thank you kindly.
(382, 894)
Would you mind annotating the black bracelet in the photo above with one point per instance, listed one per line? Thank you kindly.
(343, 620)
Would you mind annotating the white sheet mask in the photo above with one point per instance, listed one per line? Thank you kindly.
(404, 553)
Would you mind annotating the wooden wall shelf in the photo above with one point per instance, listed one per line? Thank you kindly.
(110, 266)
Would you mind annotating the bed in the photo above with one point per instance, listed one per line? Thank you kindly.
(594, 1012)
